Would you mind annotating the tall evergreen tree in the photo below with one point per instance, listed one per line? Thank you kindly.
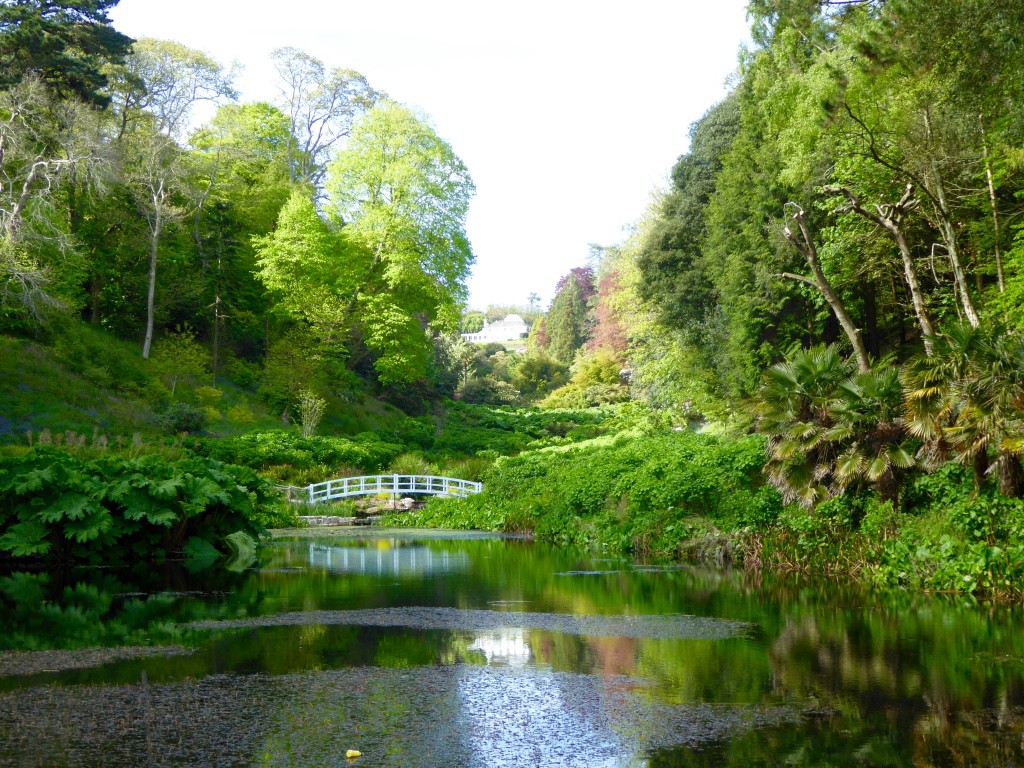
(63, 43)
(566, 323)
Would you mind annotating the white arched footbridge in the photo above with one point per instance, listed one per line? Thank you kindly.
(393, 485)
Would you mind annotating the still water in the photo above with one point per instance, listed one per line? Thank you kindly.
(419, 649)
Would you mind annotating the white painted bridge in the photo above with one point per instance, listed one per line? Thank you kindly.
(394, 485)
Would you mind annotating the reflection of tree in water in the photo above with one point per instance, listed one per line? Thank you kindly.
(79, 609)
(910, 677)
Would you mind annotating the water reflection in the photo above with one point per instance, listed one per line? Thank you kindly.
(503, 648)
(387, 559)
(537, 718)
(827, 674)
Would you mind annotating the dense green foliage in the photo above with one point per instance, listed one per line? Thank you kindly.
(113, 510)
(628, 493)
(288, 457)
(837, 264)
(116, 208)
(65, 44)
(858, 185)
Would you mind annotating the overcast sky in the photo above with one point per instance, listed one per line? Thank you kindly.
(567, 113)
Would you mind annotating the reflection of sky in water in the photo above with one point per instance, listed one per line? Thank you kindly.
(533, 719)
(504, 647)
(393, 561)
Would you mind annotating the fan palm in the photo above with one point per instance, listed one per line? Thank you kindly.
(966, 402)
(794, 409)
(875, 447)
(829, 428)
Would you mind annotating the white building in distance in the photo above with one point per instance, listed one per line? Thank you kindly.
(512, 328)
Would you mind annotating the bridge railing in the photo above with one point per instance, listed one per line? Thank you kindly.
(366, 485)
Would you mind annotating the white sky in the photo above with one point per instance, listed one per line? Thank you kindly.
(568, 113)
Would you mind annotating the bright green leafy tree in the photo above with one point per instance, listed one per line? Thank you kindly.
(403, 196)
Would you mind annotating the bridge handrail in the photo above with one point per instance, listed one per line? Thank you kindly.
(363, 485)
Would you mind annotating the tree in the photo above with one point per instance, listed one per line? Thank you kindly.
(890, 217)
(403, 196)
(314, 271)
(830, 428)
(875, 447)
(584, 278)
(608, 332)
(671, 260)
(42, 141)
(805, 244)
(472, 322)
(238, 185)
(165, 80)
(965, 402)
(538, 373)
(153, 176)
(321, 107)
(162, 81)
(794, 410)
(62, 43)
(566, 321)
(596, 380)
(178, 357)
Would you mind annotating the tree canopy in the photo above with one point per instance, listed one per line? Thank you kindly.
(402, 195)
(64, 44)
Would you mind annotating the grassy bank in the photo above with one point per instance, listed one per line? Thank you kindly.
(685, 496)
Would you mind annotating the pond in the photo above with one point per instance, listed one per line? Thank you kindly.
(426, 649)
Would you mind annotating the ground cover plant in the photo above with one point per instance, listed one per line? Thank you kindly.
(290, 458)
(685, 496)
(949, 537)
(633, 492)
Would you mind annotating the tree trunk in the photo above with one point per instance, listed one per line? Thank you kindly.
(889, 217)
(1011, 475)
(888, 487)
(916, 294)
(821, 282)
(980, 467)
(95, 292)
(154, 242)
(995, 210)
(871, 336)
(948, 229)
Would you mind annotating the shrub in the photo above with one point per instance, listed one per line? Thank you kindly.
(412, 464)
(179, 359)
(241, 414)
(182, 417)
(488, 390)
(311, 410)
(538, 373)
